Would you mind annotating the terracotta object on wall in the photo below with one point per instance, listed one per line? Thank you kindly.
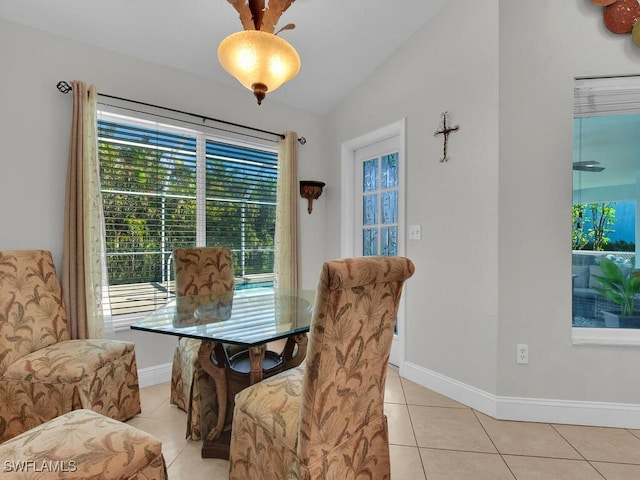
(603, 3)
(620, 17)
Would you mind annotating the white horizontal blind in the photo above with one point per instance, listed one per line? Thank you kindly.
(241, 206)
(606, 96)
(152, 203)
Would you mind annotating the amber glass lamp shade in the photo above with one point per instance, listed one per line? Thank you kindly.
(259, 60)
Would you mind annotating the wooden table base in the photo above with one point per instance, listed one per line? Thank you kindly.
(251, 367)
(218, 448)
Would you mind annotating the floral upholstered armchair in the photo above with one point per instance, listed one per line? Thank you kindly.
(197, 271)
(44, 374)
(325, 419)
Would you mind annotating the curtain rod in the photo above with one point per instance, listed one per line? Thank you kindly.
(65, 88)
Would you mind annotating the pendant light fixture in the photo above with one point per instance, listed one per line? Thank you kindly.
(259, 59)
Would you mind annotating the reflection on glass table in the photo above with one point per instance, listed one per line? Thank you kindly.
(246, 317)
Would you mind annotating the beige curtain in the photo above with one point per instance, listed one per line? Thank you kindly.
(287, 242)
(84, 273)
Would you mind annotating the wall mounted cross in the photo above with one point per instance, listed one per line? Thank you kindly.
(446, 131)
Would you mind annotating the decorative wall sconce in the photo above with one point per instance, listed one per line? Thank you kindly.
(311, 190)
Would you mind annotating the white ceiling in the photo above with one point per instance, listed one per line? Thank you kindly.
(340, 42)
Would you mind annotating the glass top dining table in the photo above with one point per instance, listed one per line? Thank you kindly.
(246, 317)
(250, 318)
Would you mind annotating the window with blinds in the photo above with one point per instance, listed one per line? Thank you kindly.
(241, 206)
(166, 187)
(606, 96)
(606, 196)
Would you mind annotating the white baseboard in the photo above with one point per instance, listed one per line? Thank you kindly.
(619, 415)
(154, 375)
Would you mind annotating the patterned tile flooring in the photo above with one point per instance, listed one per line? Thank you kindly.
(435, 438)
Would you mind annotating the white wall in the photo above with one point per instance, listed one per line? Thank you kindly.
(452, 64)
(544, 45)
(493, 268)
(34, 133)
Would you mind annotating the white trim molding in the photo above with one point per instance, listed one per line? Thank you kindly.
(619, 337)
(154, 375)
(571, 412)
(348, 149)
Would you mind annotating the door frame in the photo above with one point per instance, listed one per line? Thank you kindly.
(348, 175)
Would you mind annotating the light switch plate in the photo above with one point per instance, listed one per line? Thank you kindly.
(415, 232)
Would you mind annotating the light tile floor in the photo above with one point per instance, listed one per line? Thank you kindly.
(435, 438)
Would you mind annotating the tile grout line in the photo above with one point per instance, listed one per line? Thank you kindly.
(576, 450)
(413, 430)
(161, 404)
(475, 414)
(567, 440)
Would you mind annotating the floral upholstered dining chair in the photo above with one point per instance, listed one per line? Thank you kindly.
(325, 419)
(43, 373)
(198, 271)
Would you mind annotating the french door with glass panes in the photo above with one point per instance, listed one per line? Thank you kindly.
(379, 190)
(375, 164)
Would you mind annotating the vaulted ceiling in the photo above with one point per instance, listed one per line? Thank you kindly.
(340, 42)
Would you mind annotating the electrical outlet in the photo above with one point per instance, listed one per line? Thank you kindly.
(522, 354)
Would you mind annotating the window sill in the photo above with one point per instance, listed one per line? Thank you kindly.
(619, 337)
